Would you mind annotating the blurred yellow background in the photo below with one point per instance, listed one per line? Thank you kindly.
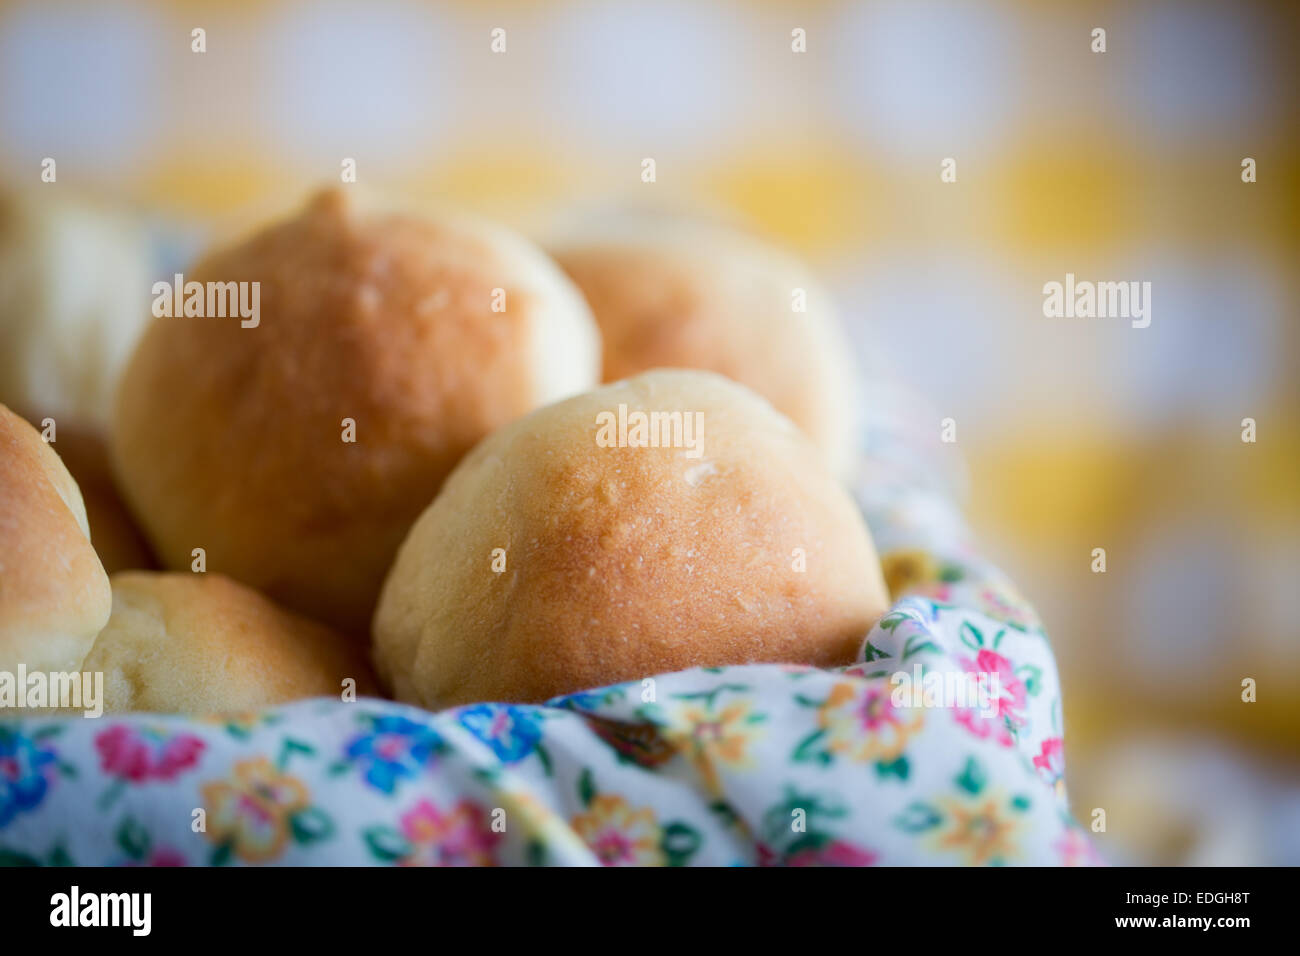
(1079, 433)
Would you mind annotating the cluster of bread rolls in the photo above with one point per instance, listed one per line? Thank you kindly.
(407, 467)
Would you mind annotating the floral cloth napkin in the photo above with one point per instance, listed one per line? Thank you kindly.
(760, 764)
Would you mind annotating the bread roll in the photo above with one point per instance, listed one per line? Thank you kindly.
(232, 439)
(54, 594)
(621, 562)
(202, 644)
(74, 298)
(672, 293)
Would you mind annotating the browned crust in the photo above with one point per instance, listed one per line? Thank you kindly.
(229, 438)
(618, 566)
(698, 297)
(118, 540)
(54, 594)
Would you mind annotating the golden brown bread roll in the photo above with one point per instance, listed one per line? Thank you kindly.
(622, 562)
(203, 644)
(54, 594)
(671, 293)
(231, 439)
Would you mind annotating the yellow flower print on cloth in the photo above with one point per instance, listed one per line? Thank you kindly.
(865, 725)
(254, 815)
(713, 737)
(620, 834)
(859, 721)
(982, 832)
(979, 824)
